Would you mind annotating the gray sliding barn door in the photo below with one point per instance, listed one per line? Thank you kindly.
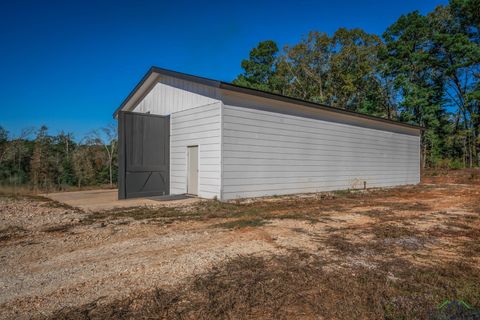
(144, 155)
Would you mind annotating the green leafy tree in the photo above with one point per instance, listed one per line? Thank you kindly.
(260, 68)
(355, 64)
(411, 61)
(3, 144)
(41, 165)
(308, 65)
(106, 139)
(82, 162)
(342, 71)
(64, 145)
(458, 57)
(467, 11)
(423, 70)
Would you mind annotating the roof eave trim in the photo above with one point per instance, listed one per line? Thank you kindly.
(274, 96)
(254, 92)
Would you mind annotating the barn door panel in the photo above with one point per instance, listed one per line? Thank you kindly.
(143, 155)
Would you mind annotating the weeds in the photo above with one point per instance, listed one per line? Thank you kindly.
(455, 230)
(306, 285)
(11, 232)
(471, 248)
(382, 215)
(210, 210)
(299, 230)
(56, 204)
(59, 228)
(299, 286)
(37, 198)
(407, 206)
(311, 209)
(383, 231)
(465, 176)
(341, 244)
(138, 213)
(243, 223)
(343, 193)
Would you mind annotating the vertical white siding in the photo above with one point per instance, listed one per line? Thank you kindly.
(271, 153)
(196, 126)
(171, 95)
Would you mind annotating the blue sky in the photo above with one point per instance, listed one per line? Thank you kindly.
(69, 64)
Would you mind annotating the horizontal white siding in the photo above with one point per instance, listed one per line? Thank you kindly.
(196, 126)
(251, 146)
(271, 153)
(171, 95)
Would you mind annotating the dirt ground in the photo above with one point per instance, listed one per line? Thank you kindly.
(393, 252)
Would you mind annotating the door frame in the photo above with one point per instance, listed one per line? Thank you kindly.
(188, 168)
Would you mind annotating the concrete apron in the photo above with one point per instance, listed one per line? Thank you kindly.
(100, 200)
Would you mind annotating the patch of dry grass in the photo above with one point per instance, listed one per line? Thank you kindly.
(407, 206)
(341, 245)
(59, 228)
(242, 223)
(137, 213)
(455, 229)
(8, 190)
(288, 209)
(26, 194)
(12, 232)
(313, 208)
(378, 268)
(383, 231)
(464, 176)
(471, 248)
(382, 215)
(298, 285)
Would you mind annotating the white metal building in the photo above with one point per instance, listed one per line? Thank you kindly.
(185, 134)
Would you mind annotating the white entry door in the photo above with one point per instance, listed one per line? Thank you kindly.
(192, 170)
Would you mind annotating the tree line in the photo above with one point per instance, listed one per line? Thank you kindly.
(424, 70)
(56, 162)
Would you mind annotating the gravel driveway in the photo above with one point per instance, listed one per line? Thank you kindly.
(54, 256)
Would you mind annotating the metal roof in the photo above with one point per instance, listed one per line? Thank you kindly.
(254, 92)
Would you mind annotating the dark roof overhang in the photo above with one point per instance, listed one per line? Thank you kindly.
(150, 77)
